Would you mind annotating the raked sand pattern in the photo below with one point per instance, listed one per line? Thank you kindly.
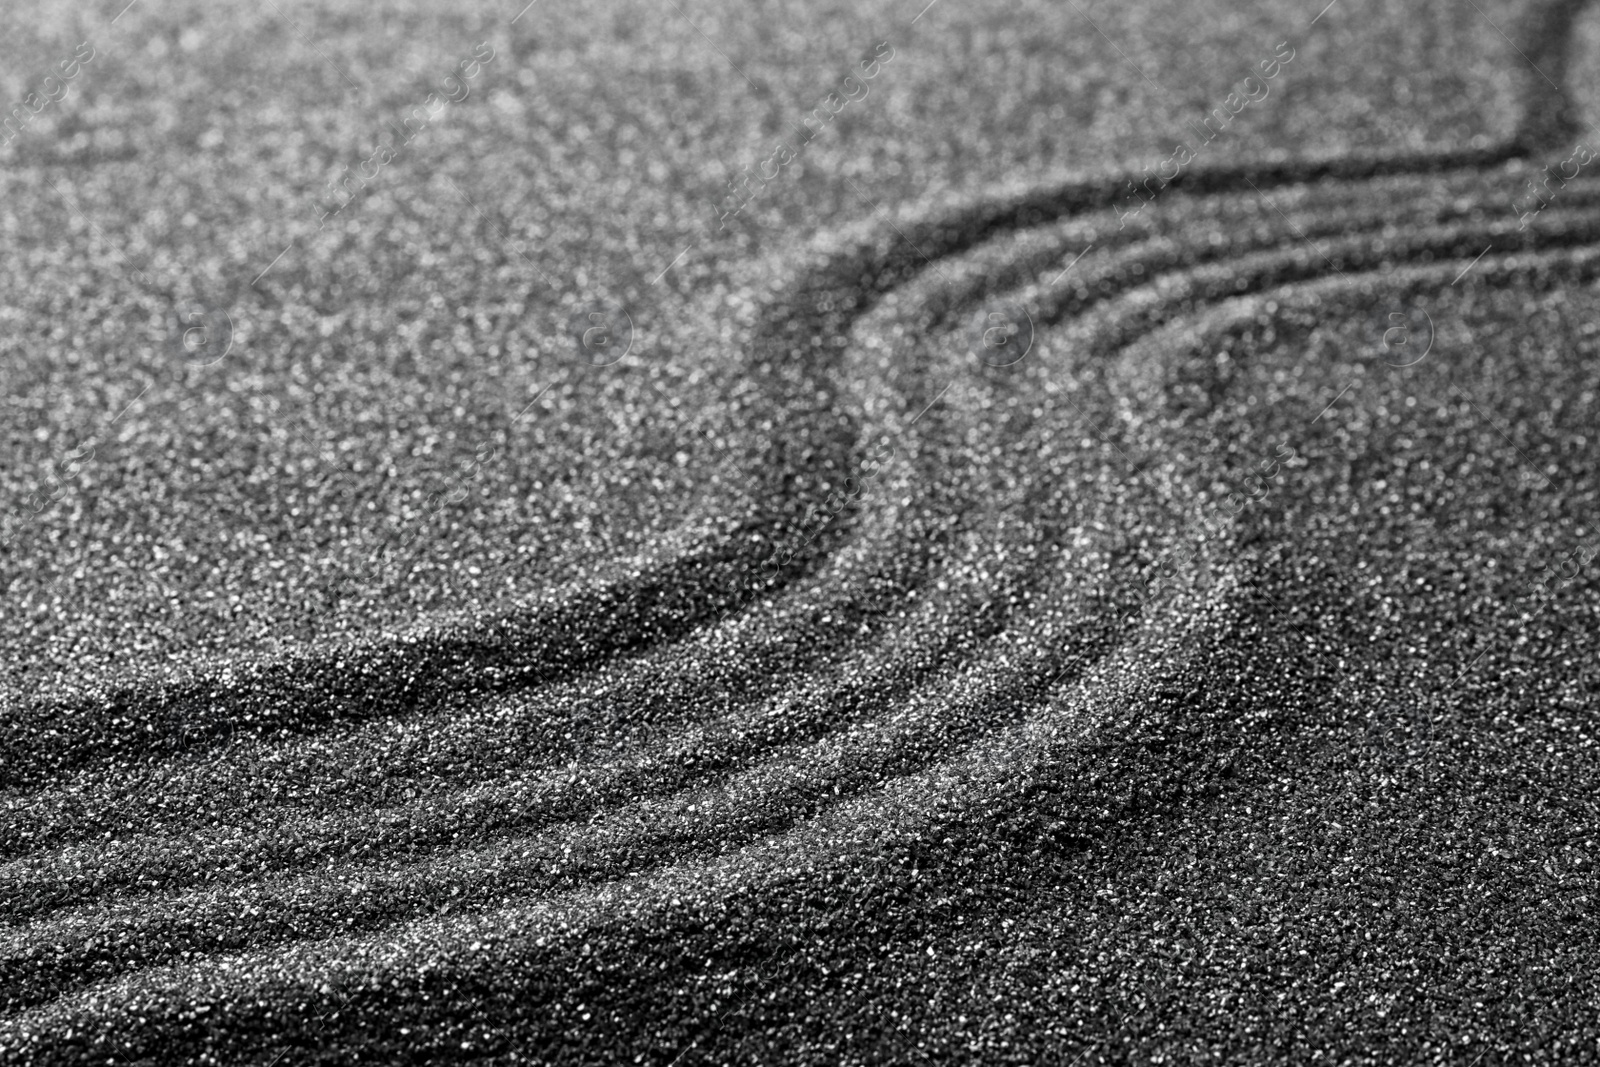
(1099, 624)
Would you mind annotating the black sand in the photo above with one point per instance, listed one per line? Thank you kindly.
(1214, 682)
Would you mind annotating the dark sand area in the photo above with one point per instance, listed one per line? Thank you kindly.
(1017, 579)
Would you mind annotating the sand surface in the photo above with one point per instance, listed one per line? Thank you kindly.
(966, 606)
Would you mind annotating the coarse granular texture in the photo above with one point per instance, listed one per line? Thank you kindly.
(1007, 591)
